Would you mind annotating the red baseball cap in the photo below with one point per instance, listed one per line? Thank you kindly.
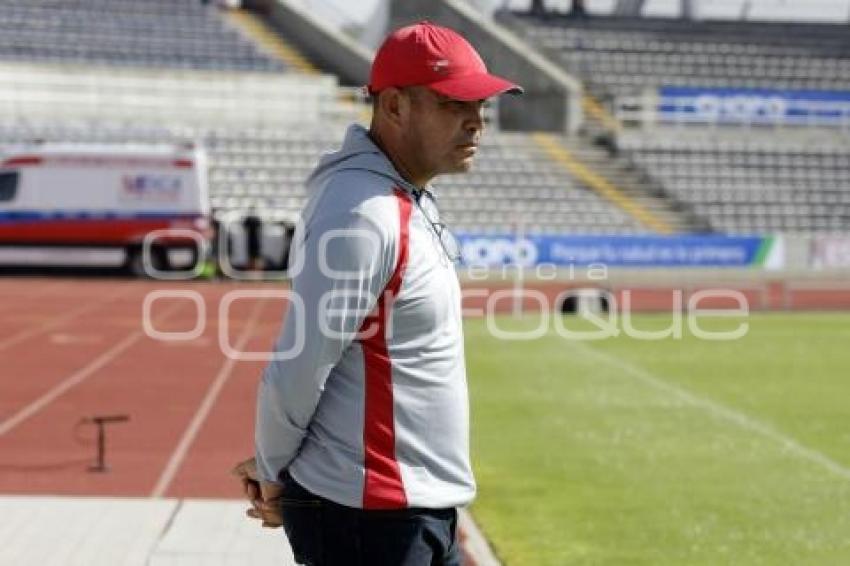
(425, 54)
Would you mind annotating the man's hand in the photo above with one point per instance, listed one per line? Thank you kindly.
(262, 495)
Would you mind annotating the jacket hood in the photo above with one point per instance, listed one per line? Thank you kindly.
(358, 152)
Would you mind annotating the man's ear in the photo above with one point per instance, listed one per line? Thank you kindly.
(394, 105)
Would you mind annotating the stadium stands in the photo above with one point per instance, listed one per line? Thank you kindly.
(736, 178)
(752, 183)
(622, 56)
(152, 33)
(165, 95)
(516, 183)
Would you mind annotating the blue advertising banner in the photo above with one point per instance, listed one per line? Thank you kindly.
(622, 251)
(754, 106)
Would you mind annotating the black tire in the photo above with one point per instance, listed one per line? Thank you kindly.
(135, 263)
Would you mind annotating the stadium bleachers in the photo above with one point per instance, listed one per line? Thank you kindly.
(515, 184)
(737, 180)
(149, 33)
(752, 184)
(133, 94)
(623, 56)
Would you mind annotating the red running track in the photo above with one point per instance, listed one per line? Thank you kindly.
(75, 348)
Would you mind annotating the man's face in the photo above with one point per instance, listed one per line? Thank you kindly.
(443, 134)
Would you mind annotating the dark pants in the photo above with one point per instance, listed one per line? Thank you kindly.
(323, 533)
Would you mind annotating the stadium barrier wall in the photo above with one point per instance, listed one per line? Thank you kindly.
(332, 49)
(650, 251)
(552, 99)
(793, 252)
(806, 272)
(754, 106)
(737, 107)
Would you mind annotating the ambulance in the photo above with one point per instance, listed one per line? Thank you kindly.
(94, 205)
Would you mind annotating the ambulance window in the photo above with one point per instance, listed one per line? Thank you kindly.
(8, 186)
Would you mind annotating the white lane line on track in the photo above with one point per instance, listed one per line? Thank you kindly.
(76, 378)
(207, 404)
(45, 326)
(717, 410)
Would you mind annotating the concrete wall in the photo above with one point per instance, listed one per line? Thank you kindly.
(330, 48)
(45, 92)
(552, 99)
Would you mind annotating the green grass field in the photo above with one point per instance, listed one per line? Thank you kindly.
(626, 452)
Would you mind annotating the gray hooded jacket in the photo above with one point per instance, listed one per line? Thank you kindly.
(366, 402)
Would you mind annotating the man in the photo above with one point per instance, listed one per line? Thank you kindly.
(362, 433)
(253, 226)
(538, 8)
(578, 10)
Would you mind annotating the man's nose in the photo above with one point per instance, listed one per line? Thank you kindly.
(475, 122)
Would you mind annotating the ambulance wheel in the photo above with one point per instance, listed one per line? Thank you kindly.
(136, 263)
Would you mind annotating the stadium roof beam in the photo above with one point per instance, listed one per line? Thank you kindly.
(332, 49)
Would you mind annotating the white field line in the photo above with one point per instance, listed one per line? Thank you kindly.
(76, 378)
(719, 411)
(179, 454)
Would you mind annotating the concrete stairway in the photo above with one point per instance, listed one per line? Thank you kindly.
(635, 184)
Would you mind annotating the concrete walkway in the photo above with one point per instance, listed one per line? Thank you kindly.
(123, 531)
(94, 531)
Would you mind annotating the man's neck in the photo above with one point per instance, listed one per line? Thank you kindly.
(419, 181)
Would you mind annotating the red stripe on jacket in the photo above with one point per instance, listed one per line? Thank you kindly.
(383, 487)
